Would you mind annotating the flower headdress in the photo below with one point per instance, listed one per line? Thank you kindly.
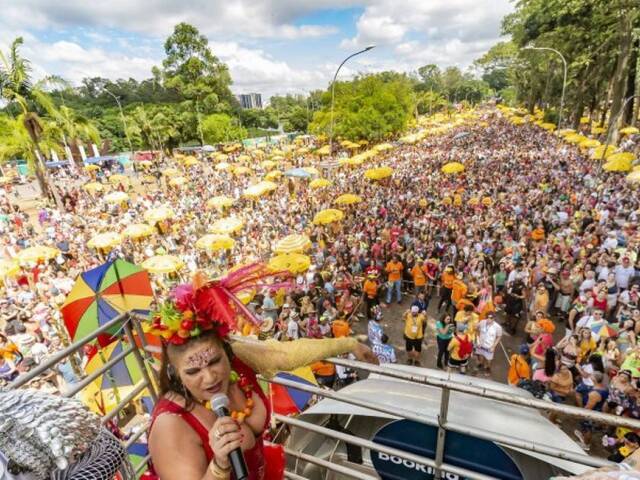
(205, 305)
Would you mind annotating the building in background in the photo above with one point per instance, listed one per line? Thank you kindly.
(250, 100)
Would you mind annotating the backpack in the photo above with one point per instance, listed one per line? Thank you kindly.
(466, 347)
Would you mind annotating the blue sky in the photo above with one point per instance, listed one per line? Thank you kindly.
(271, 46)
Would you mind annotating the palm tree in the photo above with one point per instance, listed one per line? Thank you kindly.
(17, 90)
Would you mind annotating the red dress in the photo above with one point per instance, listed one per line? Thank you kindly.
(255, 457)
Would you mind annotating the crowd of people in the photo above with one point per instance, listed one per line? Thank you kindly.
(532, 240)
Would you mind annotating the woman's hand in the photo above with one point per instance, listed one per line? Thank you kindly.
(364, 354)
(224, 436)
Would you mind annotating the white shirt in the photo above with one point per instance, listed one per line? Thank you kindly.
(488, 333)
(623, 275)
(292, 329)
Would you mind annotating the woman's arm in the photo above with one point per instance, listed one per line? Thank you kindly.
(269, 357)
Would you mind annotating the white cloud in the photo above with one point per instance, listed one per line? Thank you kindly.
(451, 32)
(251, 18)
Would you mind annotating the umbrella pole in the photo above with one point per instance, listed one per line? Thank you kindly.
(110, 378)
(66, 342)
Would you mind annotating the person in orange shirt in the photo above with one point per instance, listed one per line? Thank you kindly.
(394, 271)
(370, 294)
(419, 275)
(458, 289)
(447, 278)
(325, 373)
(340, 328)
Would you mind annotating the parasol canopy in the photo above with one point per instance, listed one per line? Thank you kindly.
(589, 143)
(170, 172)
(291, 401)
(223, 166)
(138, 230)
(268, 164)
(101, 294)
(622, 157)
(178, 181)
(378, 173)
(8, 268)
(292, 244)
(311, 170)
(215, 242)
(227, 225)
(297, 173)
(118, 179)
(243, 158)
(242, 170)
(220, 201)
(320, 183)
(159, 214)
(629, 130)
(93, 187)
(116, 197)
(191, 161)
(35, 254)
(383, 147)
(91, 168)
(453, 167)
(598, 152)
(273, 175)
(634, 177)
(329, 215)
(348, 199)
(105, 240)
(323, 150)
(618, 165)
(162, 264)
(291, 262)
(604, 330)
(221, 157)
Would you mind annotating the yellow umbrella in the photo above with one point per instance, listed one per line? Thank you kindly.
(257, 153)
(178, 181)
(584, 120)
(378, 173)
(634, 177)
(159, 214)
(116, 197)
(219, 202)
(329, 215)
(162, 264)
(348, 199)
(549, 127)
(575, 138)
(383, 147)
(93, 187)
(323, 150)
(191, 161)
(243, 158)
(292, 244)
(145, 163)
(91, 168)
(170, 172)
(277, 158)
(34, 254)
(292, 262)
(221, 157)
(215, 242)
(320, 183)
(138, 230)
(453, 167)
(486, 201)
(8, 268)
(117, 178)
(311, 170)
(629, 130)
(105, 240)
(473, 201)
(622, 157)
(227, 225)
(273, 175)
(619, 165)
(303, 150)
(598, 130)
(589, 143)
(277, 151)
(222, 166)
(598, 151)
(354, 161)
(242, 170)
(268, 164)
(4, 180)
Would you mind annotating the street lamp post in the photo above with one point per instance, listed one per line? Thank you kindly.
(124, 123)
(564, 78)
(333, 92)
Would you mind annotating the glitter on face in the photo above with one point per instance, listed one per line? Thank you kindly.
(202, 358)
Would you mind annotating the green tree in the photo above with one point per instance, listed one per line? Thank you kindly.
(220, 127)
(17, 90)
(372, 107)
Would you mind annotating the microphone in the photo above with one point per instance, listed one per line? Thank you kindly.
(220, 406)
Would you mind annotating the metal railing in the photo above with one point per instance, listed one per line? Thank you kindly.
(441, 422)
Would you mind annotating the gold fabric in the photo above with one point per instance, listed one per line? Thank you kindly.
(270, 356)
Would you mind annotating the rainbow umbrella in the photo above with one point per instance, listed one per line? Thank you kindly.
(124, 373)
(136, 453)
(604, 330)
(288, 400)
(103, 293)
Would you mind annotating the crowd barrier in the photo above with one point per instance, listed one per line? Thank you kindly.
(128, 324)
